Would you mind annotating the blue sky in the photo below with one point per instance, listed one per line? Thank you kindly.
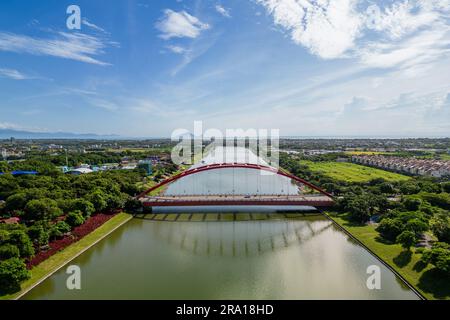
(309, 68)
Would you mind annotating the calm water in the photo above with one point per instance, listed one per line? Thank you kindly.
(292, 256)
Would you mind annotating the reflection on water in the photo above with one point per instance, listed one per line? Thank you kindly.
(288, 258)
(245, 239)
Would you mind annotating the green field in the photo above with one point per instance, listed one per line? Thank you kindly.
(407, 263)
(351, 172)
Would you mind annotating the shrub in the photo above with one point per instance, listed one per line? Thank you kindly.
(8, 251)
(417, 226)
(43, 209)
(12, 272)
(21, 239)
(39, 234)
(412, 203)
(83, 205)
(75, 218)
(390, 228)
(407, 239)
(440, 225)
(439, 256)
(441, 200)
(59, 229)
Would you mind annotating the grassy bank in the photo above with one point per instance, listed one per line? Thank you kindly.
(52, 264)
(350, 172)
(423, 278)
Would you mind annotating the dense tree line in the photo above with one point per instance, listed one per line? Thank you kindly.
(43, 160)
(50, 205)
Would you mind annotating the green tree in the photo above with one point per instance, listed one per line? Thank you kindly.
(12, 272)
(387, 188)
(440, 225)
(8, 251)
(417, 226)
(59, 229)
(39, 234)
(16, 201)
(446, 186)
(412, 203)
(390, 228)
(99, 199)
(409, 188)
(132, 205)
(439, 256)
(23, 242)
(407, 239)
(75, 218)
(43, 209)
(8, 185)
(83, 205)
(359, 209)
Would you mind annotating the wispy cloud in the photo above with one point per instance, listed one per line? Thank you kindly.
(224, 12)
(180, 25)
(74, 46)
(103, 104)
(177, 49)
(414, 52)
(14, 126)
(93, 26)
(13, 74)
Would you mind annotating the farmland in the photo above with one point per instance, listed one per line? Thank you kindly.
(350, 172)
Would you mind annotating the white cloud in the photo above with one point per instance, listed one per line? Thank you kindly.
(337, 28)
(180, 25)
(224, 12)
(93, 26)
(13, 126)
(177, 49)
(327, 28)
(7, 125)
(73, 46)
(13, 74)
(405, 17)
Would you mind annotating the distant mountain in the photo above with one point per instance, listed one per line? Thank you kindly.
(19, 134)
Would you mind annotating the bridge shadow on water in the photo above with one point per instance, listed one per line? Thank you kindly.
(236, 235)
(222, 217)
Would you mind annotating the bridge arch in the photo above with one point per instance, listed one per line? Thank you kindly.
(219, 166)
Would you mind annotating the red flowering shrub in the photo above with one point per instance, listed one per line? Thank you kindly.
(78, 233)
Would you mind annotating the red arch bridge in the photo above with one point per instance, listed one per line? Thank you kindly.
(316, 198)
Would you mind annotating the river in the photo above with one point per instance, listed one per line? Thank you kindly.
(232, 253)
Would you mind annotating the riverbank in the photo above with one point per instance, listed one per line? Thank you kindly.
(407, 264)
(46, 268)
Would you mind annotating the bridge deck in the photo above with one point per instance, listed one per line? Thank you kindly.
(252, 200)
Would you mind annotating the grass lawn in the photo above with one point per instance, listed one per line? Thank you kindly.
(425, 279)
(351, 172)
(59, 259)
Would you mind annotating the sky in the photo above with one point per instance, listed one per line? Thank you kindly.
(142, 68)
